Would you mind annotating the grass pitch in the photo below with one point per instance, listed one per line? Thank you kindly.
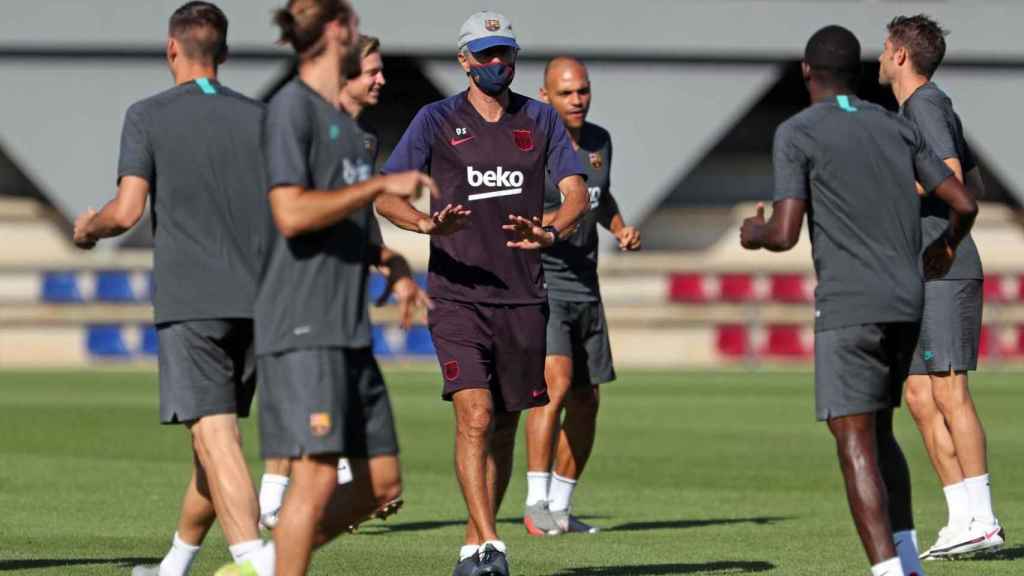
(693, 473)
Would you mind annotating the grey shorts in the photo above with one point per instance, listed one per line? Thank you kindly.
(861, 369)
(578, 330)
(324, 401)
(206, 368)
(950, 327)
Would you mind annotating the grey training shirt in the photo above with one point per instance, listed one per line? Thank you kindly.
(855, 164)
(932, 111)
(313, 288)
(570, 266)
(198, 146)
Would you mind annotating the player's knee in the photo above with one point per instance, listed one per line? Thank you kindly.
(920, 402)
(950, 395)
(475, 420)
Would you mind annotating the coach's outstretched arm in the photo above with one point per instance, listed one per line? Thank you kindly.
(780, 233)
(116, 217)
(298, 210)
(938, 257)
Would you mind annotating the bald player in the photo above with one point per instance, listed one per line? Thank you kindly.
(578, 352)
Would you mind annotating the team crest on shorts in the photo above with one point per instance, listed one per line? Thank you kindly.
(492, 25)
(320, 423)
(451, 370)
(524, 139)
(596, 160)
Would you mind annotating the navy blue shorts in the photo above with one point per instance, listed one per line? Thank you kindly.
(494, 347)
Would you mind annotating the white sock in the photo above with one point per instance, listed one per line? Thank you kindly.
(906, 549)
(958, 504)
(979, 494)
(261, 559)
(272, 488)
(242, 549)
(497, 544)
(890, 567)
(560, 493)
(537, 487)
(467, 551)
(179, 558)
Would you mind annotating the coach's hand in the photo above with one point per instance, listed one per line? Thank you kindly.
(748, 234)
(411, 185)
(629, 238)
(530, 235)
(938, 258)
(82, 238)
(448, 221)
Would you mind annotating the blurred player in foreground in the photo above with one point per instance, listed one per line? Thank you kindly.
(851, 166)
(196, 148)
(936, 392)
(579, 354)
(363, 71)
(491, 149)
(322, 393)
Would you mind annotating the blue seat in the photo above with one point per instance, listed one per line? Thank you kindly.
(61, 287)
(376, 286)
(381, 348)
(105, 341)
(421, 279)
(114, 286)
(419, 343)
(150, 342)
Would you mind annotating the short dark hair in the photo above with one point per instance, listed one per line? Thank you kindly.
(833, 53)
(302, 23)
(353, 64)
(202, 30)
(923, 38)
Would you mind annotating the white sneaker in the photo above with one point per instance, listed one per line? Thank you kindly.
(269, 520)
(949, 537)
(978, 537)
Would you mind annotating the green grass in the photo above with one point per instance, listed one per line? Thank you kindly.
(693, 473)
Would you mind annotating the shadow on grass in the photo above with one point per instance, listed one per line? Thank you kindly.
(1010, 553)
(679, 524)
(37, 563)
(721, 567)
(386, 527)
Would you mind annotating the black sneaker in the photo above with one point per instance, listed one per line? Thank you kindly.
(492, 561)
(466, 567)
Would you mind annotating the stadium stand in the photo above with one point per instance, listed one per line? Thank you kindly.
(716, 305)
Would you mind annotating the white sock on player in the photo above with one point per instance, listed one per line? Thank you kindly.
(537, 487)
(979, 495)
(262, 559)
(272, 488)
(179, 558)
(906, 549)
(958, 504)
(890, 567)
(560, 493)
(240, 551)
(467, 551)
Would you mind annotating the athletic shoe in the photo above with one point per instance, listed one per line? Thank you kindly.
(148, 570)
(567, 523)
(538, 520)
(382, 513)
(978, 537)
(491, 561)
(948, 537)
(244, 569)
(466, 567)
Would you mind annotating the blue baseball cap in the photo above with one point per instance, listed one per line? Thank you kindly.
(485, 30)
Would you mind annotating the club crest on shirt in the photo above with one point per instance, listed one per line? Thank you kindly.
(320, 424)
(524, 139)
(596, 160)
(492, 25)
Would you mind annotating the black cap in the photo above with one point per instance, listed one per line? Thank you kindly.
(833, 48)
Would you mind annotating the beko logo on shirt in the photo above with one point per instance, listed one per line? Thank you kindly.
(511, 180)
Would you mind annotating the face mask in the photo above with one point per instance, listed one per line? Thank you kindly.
(493, 79)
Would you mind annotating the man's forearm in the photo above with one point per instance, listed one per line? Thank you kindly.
(307, 211)
(615, 223)
(401, 213)
(959, 226)
(569, 213)
(112, 220)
